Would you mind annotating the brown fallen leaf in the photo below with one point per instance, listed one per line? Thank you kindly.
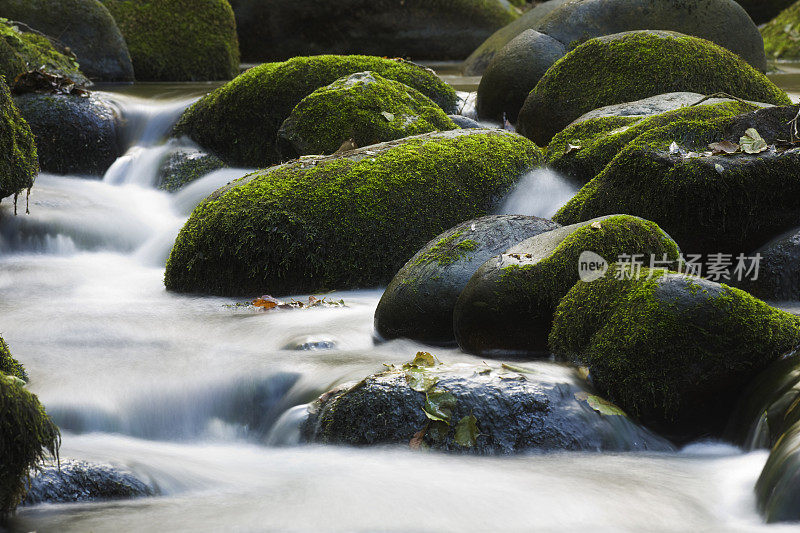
(418, 440)
(572, 148)
(348, 146)
(267, 302)
(724, 147)
(597, 224)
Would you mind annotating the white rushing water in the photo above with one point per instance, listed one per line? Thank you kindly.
(200, 397)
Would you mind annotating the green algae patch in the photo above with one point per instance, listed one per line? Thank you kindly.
(782, 34)
(633, 65)
(19, 163)
(671, 349)
(239, 121)
(582, 150)
(363, 107)
(343, 221)
(21, 51)
(179, 40)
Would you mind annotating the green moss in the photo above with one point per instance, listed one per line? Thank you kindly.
(343, 221)
(782, 34)
(179, 40)
(364, 107)
(596, 141)
(239, 121)
(27, 436)
(631, 66)
(671, 349)
(18, 159)
(9, 365)
(448, 250)
(21, 51)
(708, 204)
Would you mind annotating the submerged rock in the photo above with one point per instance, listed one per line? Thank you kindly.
(18, 161)
(673, 350)
(507, 306)
(184, 166)
(364, 108)
(633, 65)
(343, 221)
(78, 481)
(709, 203)
(74, 134)
(179, 40)
(239, 121)
(419, 301)
(481, 409)
(85, 26)
(272, 30)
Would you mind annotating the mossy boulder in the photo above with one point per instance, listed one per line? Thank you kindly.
(184, 166)
(85, 26)
(23, 49)
(708, 203)
(363, 107)
(514, 72)
(782, 34)
(762, 11)
(778, 269)
(239, 121)
(27, 436)
(71, 481)
(419, 301)
(9, 365)
(480, 409)
(583, 149)
(344, 221)
(18, 160)
(674, 350)
(272, 30)
(74, 134)
(633, 65)
(507, 307)
(179, 40)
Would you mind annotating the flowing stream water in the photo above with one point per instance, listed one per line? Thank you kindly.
(201, 398)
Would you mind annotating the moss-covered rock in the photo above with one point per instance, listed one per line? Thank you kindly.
(363, 107)
(778, 269)
(508, 305)
(633, 65)
(18, 161)
(9, 365)
(179, 40)
(23, 49)
(480, 409)
(27, 435)
(239, 121)
(419, 301)
(184, 166)
(583, 149)
(272, 30)
(674, 350)
(85, 26)
(74, 134)
(344, 221)
(762, 11)
(782, 34)
(709, 204)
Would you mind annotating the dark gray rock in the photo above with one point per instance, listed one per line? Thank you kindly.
(79, 481)
(74, 134)
(545, 407)
(465, 123)
(762, 11)
(514, 72)
(778, 269)
(185, 165)
(419, 301)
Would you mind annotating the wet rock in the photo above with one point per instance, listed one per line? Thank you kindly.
(419, 302)
(239, 121)
(676, 351)
(80, 481)
(514, 72)
(481, 409)
(507, 306)
(778, 486)
(464, 122)
(741, 200)
(74, 134)
(85, 26)
(778, 269)
(184, 166)
(272, 30)
(365, 108)
(343, 221)
(629, 66)
(311, 343)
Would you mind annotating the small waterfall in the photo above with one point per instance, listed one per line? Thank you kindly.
(541, 193)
